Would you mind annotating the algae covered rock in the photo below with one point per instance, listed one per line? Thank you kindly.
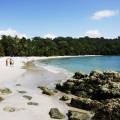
(33, 103)
(9, 109)
(69, 85)
(66, 86)
(110, 111)
(98, 92)
(107, 91)
(22, 92)
(112, 75)
(12, 109)
(27, 97)
(1, 99)
(79, 75)
(85, 103)
(5, 91)
(64, 98)
(56, 114)
(75, 115)
(42, 87)
(96, 73)
(46, 90)
(96, 86)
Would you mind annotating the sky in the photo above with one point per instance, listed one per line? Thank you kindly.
(53, 18)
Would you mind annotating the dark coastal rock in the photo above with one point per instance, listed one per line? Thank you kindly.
(66, 86)
(12, 109)
(56, 114)
(98, 92)
(27, 97)
(94, 86)
(22, 92)
(1, 99)
(110, 111)
(9, 109)
(96, 73)
(112, 74)
(75, 115)
(46, 91)
(18, 84)
(55, 91)
(33, 103)
(42, 87)
(5, 91)
(69, 85)
(64, 98)
(112, 101)
(107, 91)
(85, 103)
(59, 87)
(80, 93)
(79, 75)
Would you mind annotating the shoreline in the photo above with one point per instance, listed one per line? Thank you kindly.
(19, 78)
(15, 71)
(16, 79)
(27, 82)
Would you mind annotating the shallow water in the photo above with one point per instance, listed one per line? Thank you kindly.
(84, 63)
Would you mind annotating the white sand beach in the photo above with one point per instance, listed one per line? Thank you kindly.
(12, 75)
(17, 79)
(23, 80)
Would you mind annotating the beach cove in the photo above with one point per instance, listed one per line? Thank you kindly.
(23, 80)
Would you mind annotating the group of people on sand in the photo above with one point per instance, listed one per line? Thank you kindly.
(9, 62)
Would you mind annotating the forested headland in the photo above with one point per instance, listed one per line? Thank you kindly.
(37, 46)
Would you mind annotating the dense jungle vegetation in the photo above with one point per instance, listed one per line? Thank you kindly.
(37, 46)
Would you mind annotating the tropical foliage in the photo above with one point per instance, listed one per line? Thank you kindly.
(37, 46)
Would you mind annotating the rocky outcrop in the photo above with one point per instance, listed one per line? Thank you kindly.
(66, 86)
(97, 74)
(107, 91)
(110, 111)
(79, 75)
(115, 76)
(96, 85)
(86, 103)
(75, 115)
(56, 114)
(98, 92)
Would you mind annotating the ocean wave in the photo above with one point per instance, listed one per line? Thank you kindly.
(52, 68)
(56, 69)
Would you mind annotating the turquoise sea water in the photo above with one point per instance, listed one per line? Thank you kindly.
(85, 63)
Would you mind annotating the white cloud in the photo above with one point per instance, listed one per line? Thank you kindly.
(93, 33)
(12, 33)
(50, 35)
(104, 14)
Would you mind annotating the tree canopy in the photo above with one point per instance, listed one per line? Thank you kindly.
(37, 46)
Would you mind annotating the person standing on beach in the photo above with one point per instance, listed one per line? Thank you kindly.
(11, 62)
(7, 62)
